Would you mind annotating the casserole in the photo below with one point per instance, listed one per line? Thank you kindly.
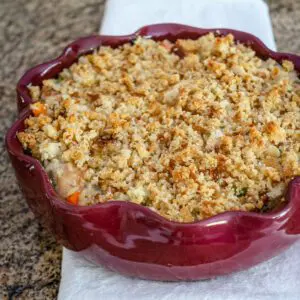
(132, 239)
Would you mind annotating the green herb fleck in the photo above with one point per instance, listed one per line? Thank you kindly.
(265, 208)
(195, 213)
(240, 193)
(146, 202)
(59, 79)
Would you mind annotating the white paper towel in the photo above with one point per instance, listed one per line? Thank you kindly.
(278, 278)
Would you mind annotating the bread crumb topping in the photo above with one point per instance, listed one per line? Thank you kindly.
(189, 129)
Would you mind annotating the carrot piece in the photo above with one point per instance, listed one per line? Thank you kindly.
(38, 108)
(73, 198)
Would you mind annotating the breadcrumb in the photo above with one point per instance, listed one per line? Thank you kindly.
(190, 129)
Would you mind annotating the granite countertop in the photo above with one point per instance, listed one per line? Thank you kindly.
(32, 32)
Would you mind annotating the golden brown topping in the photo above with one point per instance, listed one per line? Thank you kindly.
(190, 129)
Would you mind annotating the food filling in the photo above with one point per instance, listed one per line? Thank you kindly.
(189, 129)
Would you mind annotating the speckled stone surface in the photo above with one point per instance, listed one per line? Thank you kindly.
(32, 32)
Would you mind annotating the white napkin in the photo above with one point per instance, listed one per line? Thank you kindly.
(126, 16)
(278, 278)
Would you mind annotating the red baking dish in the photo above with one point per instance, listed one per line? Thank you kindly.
(132, 239)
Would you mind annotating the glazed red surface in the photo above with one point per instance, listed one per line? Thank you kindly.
(130, 238)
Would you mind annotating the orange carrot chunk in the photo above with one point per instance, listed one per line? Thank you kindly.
(38, 108)
(73, 199)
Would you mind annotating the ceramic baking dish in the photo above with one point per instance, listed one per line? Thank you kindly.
(130, 238)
